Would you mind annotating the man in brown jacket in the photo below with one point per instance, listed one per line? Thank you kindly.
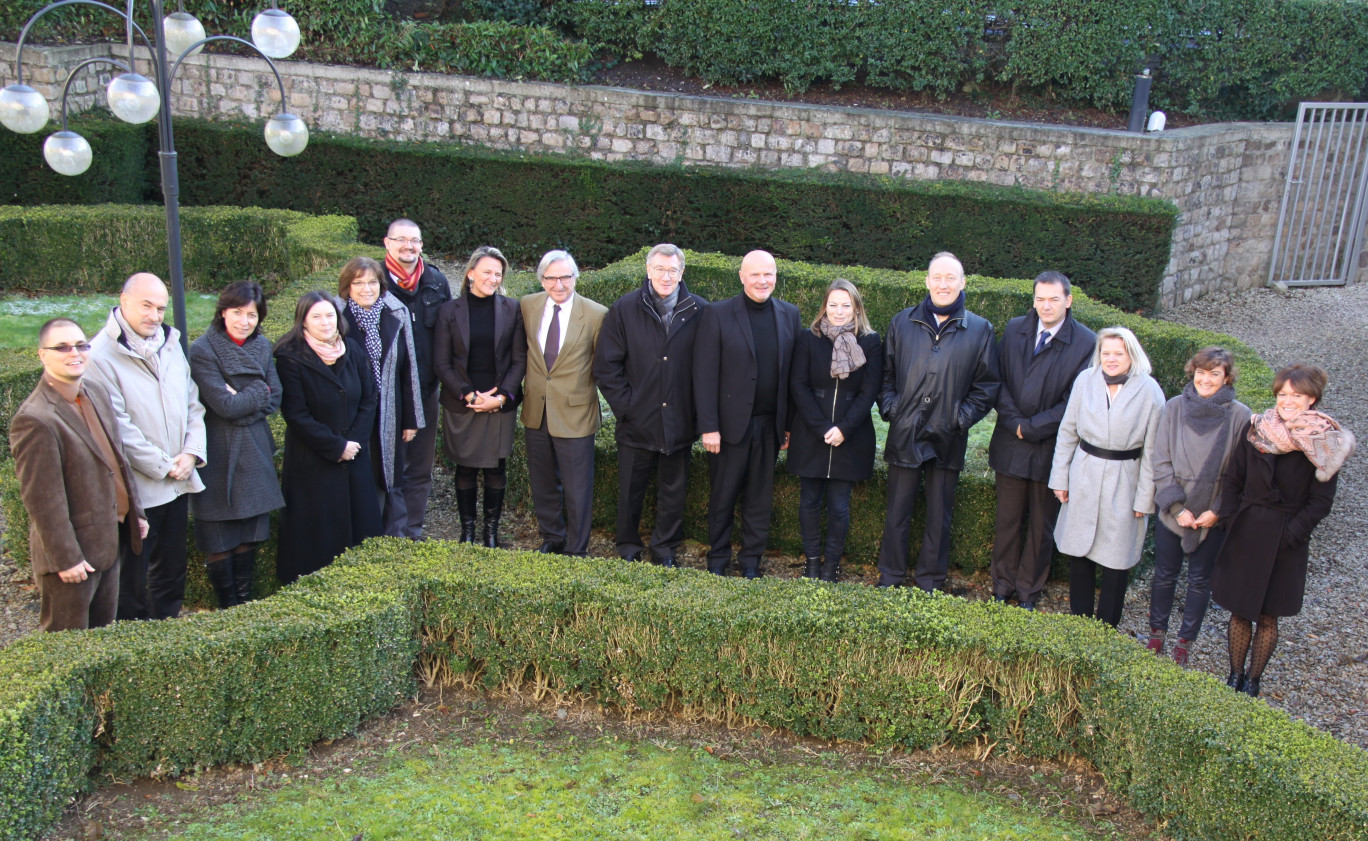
(76, 484)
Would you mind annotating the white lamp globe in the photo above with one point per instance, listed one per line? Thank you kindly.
(133, 98)
(275, 33)
(67, 152)
(286, 134)
(179, 31)
(23, 109)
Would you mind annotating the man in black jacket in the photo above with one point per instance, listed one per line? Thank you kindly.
(940, 377)
(422, 289)
(742, 357)
(644, 368)
(1040, 356)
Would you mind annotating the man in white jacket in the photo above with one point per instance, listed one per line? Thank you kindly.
(139, 360)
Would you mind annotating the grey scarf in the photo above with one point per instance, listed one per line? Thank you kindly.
(846, 354)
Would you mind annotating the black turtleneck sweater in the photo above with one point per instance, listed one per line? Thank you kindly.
(765, 334)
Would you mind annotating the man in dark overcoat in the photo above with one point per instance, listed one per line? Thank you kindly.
(742, 357)
(1040, 356)
(76, 484)
(940, 377)
(422, 289)
(644, 367)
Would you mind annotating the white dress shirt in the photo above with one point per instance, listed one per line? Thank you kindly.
(546, 321)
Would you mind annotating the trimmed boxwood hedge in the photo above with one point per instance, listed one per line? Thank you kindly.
(1116, 247)
(893, 668)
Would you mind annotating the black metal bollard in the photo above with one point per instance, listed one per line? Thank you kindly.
(1140, 101)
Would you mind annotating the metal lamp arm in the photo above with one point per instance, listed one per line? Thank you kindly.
(23, 35)
(189, 50)
(66, 86)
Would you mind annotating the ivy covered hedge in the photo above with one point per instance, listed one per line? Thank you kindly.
(893, 668)
(1116, 247)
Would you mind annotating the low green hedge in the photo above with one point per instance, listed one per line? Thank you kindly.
(892, 668)
(1116, 247)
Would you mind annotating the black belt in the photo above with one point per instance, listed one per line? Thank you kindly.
(1110, 455)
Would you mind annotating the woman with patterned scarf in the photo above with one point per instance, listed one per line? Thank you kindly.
(837, 371)
(1198, 431)
(1279, 485)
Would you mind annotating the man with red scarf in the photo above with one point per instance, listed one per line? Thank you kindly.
(422, 289)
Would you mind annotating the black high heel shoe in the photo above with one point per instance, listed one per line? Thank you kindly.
(1237, 682)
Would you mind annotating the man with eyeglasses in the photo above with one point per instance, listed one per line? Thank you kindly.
(77, 486)
(940, 378)
(560, 410)
(422, 289)
(138, 358)
(644, 367)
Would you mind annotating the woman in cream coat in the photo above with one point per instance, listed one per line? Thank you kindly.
(1102, 473)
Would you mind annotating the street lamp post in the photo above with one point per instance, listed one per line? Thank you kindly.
(136, 99)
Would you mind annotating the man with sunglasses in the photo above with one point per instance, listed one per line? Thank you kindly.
(76, 484)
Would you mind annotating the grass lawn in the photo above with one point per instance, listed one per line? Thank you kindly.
(605, 787)
(21, 317)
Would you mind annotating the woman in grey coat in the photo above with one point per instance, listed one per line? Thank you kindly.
(1102, 472)
(379, 321)
(1198, 430)
(231, 365)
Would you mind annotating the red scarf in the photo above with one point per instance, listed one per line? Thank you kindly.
(407, 282)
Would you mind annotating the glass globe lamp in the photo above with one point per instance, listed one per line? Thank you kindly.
(286, 134)
(23, 109)
(179, 31)
(133, 98)
(275, 33)
(67, 152)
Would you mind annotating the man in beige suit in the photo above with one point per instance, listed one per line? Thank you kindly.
(76, 484)
(560, 411)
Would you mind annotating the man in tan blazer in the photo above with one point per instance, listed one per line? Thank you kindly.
(560, 411)
(76, 484)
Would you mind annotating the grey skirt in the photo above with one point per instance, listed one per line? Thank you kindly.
(214, 536)
(478, 439)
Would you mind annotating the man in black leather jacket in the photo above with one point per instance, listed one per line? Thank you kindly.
(940, 378)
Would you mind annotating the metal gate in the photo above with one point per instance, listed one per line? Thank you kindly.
(1325, 200)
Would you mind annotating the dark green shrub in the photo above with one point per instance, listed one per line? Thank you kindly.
(119, 172)
(496, 48)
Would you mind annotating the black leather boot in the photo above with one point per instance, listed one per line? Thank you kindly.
(1236, 682)
(244, 567)
(1251, 687)
(493, 510)
(466, 501)
(812, 567)
(221, 579)
(831, 570)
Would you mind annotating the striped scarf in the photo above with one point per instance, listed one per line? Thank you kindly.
(408, 281)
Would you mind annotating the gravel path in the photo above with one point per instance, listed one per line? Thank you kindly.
(1319, 672)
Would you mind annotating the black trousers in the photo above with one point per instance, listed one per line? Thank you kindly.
(1082, 581)
(152, 582)
(934, 560)
(742, 472)
(836, 494)
(406, 505)
(1018, 567)
(671, 470)
(561, 475)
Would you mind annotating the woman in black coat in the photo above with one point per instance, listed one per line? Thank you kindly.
(328, 404)
(379, 322)
(231, 365)
(1279, 484)
(480, 353)
(836, 374)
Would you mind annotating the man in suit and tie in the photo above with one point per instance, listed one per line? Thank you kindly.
(76, 484)
(742, 357)
(560, 411)
(1040, 355)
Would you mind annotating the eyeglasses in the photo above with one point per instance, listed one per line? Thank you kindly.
(406, 240)
(80, 347)
(366, 284)
(661, 271)
(557, 280)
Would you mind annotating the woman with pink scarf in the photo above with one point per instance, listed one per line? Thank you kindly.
(1279, 484)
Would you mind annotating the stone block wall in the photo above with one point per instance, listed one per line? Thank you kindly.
(1226, 179)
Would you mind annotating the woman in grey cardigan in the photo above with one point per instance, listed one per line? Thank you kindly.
(1198, 430)
(380, 322)
(232, 367)
(1102, 472)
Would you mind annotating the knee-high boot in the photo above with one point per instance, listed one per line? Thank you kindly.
(244, 567)
(493, 510)
(466, 501)
(221, 579)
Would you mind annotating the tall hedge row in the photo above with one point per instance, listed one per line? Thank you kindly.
(1116, 248)
(1221, 59)
(892, 668)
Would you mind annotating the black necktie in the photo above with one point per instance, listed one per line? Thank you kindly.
(1044, 340)
(552, 348)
